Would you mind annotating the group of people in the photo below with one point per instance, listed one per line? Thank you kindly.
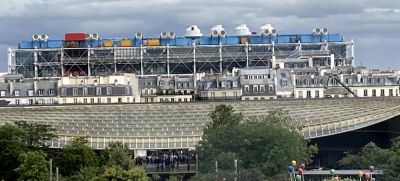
(160, 161)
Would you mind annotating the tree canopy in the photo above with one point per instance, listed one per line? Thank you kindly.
(33, 166)
(386, 159)
(267, 144)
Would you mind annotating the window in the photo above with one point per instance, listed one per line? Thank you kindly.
(16, 93)
(300, 94)
(41, 92)
(92, 100)
(317, 94)
(85, 100)
(108, 100)
(98, 100)
(30, 93)
(17, 102)
(75, 91)
(224, 95)
(212, 95)
(108, 91)
(64, 101)
(161, 83)
(365, 92)
(75, 101)
(246, 88)
(382, 92)
(284, 82)
(51, 101)
(373, 92)
(120, 100)
(98, 90)
(146, 92)
(308, 94)
(223, 84)
(51, 92)
(179, 99)
(30, 101)
(234, 84)
(185, 99)
(63, 91)
(390, 92)
(172, 100)
(2, 93)
(255, 88)
(271, 88)
(262, 88)
(85, 91)
(171, 83)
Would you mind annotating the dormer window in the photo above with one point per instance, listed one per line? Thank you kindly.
(17, 93)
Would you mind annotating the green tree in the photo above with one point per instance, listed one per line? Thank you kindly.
(35, 134)
(11, 147)
(85, 174)
(386, 159)
(117, 154)
(33, 166)
(267, 144)
(76, 156)
(117, 173)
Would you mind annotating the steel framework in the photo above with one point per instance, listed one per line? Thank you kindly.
(167, 60)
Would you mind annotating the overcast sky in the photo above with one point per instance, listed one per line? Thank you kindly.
(373, 24)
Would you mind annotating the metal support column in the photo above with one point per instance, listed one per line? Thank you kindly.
(9, 53)
(247, 55)
(62, 61)
(35, 62)
(220, 57)
(115, 60)
(353, 63)
(141, 61)
(168, 60)
(273, 56)
(88, 62)
(194, 65)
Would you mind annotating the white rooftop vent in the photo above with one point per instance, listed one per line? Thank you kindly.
(217, 31)
(193, 32)
(35, 37)
(268, 30)
(320, 31)
(44, 37)
(94, 36)
(324, 31)
(164, 35)
(138, 35)
(242, 30)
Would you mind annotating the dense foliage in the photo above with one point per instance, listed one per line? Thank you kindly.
(262, 146)
(386, 159)
(24, 156)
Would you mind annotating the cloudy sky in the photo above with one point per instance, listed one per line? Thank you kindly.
(374, 25)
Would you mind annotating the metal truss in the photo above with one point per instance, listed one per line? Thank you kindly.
(167, 60)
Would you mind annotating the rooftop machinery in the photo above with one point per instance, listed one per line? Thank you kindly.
(89, 54)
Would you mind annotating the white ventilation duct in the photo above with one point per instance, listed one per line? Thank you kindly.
(88, 36)
(44, 37)
(138, 35)
(171, 35)
(94, 36)
(324, 31)
(218, 30)
(317, 31)
(242, 30)
(35, 37)
(268, 30)
(193, 32)
(164, 34)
